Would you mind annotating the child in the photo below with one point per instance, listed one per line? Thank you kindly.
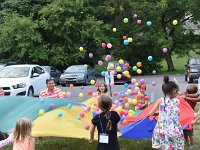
(197, 117)
(22, 135)
(168, 133)
(142, 98)
(102, 89)
(1, 92)
(107, 124)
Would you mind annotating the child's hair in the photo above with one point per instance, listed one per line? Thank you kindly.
(105, 104)
(192, 89)
(22, 129)
(168, 86)
(106, 88)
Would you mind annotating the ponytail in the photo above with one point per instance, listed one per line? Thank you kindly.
(109, 124)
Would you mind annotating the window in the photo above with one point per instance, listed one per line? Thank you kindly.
(37, 70)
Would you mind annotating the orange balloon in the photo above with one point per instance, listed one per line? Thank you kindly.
(71, 85)
(139, 64)
(138, 96)
(125, 122)
(125, 99)
(129, 76)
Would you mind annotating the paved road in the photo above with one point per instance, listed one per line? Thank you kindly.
(157, 90)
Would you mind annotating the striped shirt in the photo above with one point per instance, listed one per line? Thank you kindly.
(57, 93)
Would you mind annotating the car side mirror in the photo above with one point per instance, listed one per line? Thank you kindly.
(35, 75)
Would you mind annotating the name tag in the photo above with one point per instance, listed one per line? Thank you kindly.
(103, 138)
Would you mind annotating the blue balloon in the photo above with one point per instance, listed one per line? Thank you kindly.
(122, 92)
(69, 105)
(150, 58)
(126, 85)
(78, 118)
(120, 104)
(60, 114)
(126, 42)
(149, 23)
(108, 77)
(42, 100)
(103, 73)
(121, 119)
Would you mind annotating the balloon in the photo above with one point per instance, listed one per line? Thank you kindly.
(112, 84)
(81, 48)
(111, 66)
(114, 29)
(42, 100)
(139, 64)
(109, 45)
(103, 73)
(82, 115)
(126, 73)
(112, 72)
(127, 65)
(146, 98)
(69, 106)
(121, 99)
(71, 86)
(68, 94)
(85, 66)
(115, 93)
(134, 101)
(90, 92)
(78, 118)
(52, 106)
(149, 23)
(154, 72)
(82, 87)
(165, 50)
(128, 91)
(126, 42)
(118, 68)
(103, 45)
(123, 95)
(134, 68)
(92, 82)
(175, 22)
(130, 39)
(133, 81)
(126, 85)
(136, 84)
(125, 20)
(60, 114)
(150, 58)
(94, 94)
(87, 127)
(142, 81)
(63, 94)
(121, 119)
(135, 16)
(137, 89)
(100, 62)
(139, 21)
(138, 96)
(139, 71)
(41, 112)
(80, 95)
(90, 55)
(143, 87)
(108, 57)
(121, 61)
(153, 83)
(124, 37)
(139, 105)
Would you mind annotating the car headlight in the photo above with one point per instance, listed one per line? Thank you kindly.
(193, 70)
(21, 85)
(81, 75)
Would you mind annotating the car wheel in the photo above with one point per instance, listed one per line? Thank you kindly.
(189, 80)
(185, 77)
(63, 85)
(30, 92)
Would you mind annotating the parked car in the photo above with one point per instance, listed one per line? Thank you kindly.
(123, 79)
(23, 80)
(7, 64)
(78, 74)
(192, 69)
(54, 73)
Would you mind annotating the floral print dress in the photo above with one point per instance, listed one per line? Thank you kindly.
(168, 133)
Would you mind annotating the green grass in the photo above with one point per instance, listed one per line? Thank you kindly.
(56, 143)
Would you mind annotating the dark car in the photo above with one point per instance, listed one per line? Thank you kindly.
(54, 73)
(123, 79)
(78, 74)
(192, 69)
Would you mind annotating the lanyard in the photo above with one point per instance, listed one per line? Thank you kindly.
(101, 122)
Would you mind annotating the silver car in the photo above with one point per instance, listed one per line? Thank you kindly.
(78, 74)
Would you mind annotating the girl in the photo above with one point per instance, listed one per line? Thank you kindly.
(1, 92)
(168, 133)
(107, 124)
(22, 135)
(102, 89)
(197, 117)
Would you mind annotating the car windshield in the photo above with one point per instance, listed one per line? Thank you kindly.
(115, 65)
(14, 72)
(194, 61)
(76, 69)
(46, 68)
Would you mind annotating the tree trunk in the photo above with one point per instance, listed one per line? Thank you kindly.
(170, 64)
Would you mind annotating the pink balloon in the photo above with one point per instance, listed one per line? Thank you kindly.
(139, 21)
(82, 115)
(94, 94)
(135, 16)
(124, 37)
(103, 45)
(154, 72)
(90, 55)
(115, 106)
(68, 94)
(139, 105)
(87, 127)
(127, 65)
(133, 81)
(153, 83)
(115, 93)
(109, 45)
(100, 62)
(137, 89)
(126, 105)
(88, 108)
(108, 58)
(165, 50)
(112, 84)
(82, 87)
(112, 72)
(117, 102)
(142, 81)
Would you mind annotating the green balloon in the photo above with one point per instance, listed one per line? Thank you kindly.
(134, 68)
(125, 20)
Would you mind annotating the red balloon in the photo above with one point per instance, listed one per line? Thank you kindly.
(121, 112)
(146, 98)
(90, 92)
(103, 45)
(127, 65)
(124, 37)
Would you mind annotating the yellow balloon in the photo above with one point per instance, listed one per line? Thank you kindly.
(119, 76)
(129, 91)
(130, 102)
(134, 101)
(92, 82)
(93, 107)
(85, 66)
(121, 61)
(118, 68)
(120, 107)
(126, 73)
(175, 22)
(111, 66)
(130, 111)
(136, 84)
(63, 94)
(130, 114)
(80, 95)
(81, 48)
(130, 39)
(139, 71)
(114, 29)
(41, 112)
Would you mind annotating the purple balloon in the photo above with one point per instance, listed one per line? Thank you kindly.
(132, 93)
(126, 113)
(142, 81)
(123, 95)
(52, 106)
(153, 83)
(165, 50)
(90, 55)
(121, 99)
(115, 93)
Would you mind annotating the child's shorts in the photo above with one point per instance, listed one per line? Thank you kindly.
(188, 132)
